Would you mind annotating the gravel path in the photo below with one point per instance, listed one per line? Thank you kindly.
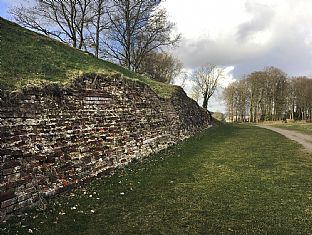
(304, 140)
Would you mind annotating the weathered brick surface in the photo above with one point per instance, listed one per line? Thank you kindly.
(52, 138)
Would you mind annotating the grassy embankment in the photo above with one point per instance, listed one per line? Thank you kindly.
(230, 179)
(30, 58)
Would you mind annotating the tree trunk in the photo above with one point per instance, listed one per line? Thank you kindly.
(97, 31)
(205, 102)
(251, 113)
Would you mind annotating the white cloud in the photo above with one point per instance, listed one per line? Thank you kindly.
(228, 77)
(205, 18)
(257, 28)
(244, 35)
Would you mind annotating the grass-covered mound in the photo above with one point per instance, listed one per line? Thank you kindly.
(28, 57)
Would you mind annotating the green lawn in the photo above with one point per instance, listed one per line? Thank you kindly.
(27, 57)
(305, 128)
(232, 179)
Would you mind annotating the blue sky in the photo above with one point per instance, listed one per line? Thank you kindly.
(3, 9)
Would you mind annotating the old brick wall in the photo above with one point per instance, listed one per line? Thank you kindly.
(53, 138)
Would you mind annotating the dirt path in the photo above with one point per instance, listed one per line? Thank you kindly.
(304, 140)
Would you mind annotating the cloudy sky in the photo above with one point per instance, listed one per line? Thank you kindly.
(246, 34)
(241, 35)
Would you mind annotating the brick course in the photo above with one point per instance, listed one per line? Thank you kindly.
(52, 137)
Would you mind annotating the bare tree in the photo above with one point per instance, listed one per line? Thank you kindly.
(120, 30)
(162, 67)
(269, 95)
(97, 24)
(229, 96)
(65, 20)
(242, 100)
(206, 80)
(137, 27)
(276, 91)
(255, 90)
(302, 97)
(184, 77)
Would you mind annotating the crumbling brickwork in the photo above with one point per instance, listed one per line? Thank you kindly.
(53, 138)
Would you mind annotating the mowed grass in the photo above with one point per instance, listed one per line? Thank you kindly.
(305, 128)
(30, 58)
(232, 179)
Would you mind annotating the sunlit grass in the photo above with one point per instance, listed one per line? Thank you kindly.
(305, 128)
(27, 57)
(229, 179)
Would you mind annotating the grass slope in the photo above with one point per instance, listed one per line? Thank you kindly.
(305, 128)
(229, 180)
(29, 57)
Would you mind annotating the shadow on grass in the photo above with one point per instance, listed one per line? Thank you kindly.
(228, 179)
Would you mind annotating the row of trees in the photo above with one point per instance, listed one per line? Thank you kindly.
(269, 95)
(127, 32)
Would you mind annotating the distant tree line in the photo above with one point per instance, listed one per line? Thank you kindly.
(269, 95)
(128, 32)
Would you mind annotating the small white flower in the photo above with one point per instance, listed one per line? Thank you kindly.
(122, 193)
(92, 211)
(90, 195)
(73, 208)
(30, 230)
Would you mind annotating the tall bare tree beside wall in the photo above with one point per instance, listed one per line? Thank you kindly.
(137, 27)
(206, 81)
(97, 25)
(64, 20)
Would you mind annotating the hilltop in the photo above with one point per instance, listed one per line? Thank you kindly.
(28, 57)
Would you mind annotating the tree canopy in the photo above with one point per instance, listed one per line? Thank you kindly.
(269, 95)
(122, 31)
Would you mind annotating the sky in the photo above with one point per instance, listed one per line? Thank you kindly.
(240, 35)
(243, 36)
